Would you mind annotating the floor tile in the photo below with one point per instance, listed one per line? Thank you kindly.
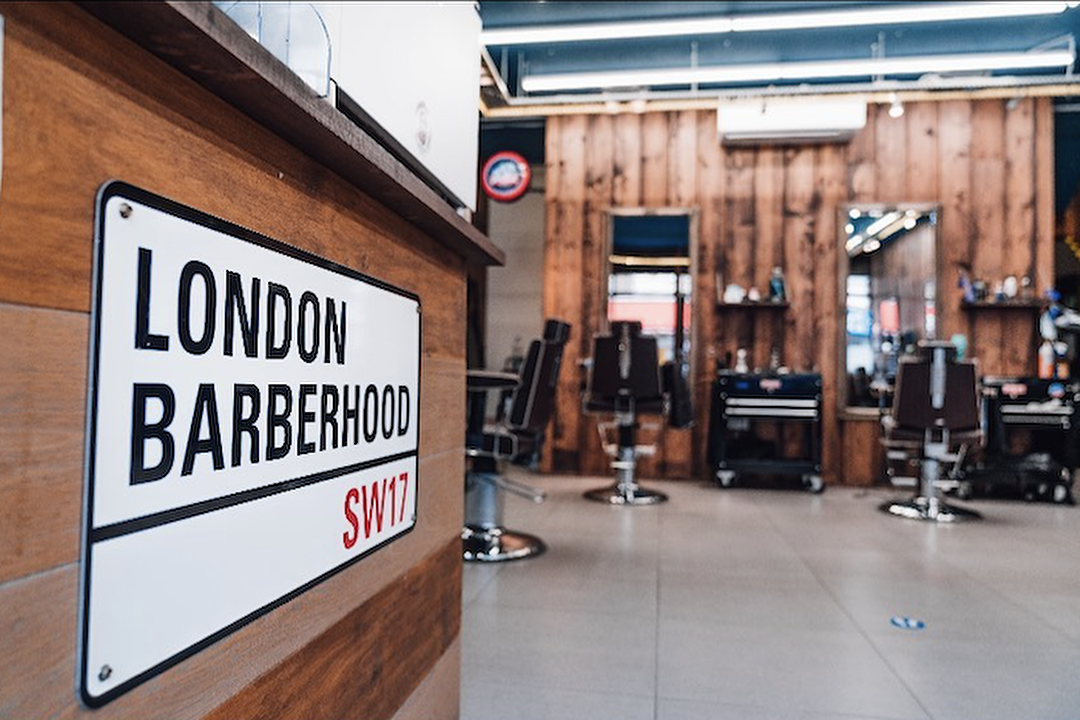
(959, 680)
(675, 709)
(785, 671)
(492, 700)
(769, 603)
(568, 650)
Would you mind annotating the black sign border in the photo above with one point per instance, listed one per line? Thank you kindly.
(117, 188)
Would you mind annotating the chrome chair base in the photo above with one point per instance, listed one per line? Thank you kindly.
(931, 510)
(498, 544)
(626, 495)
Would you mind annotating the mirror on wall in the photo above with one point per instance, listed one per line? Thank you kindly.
(650, 279)
(889, 294)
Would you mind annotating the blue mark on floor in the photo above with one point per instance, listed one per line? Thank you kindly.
(907, 623)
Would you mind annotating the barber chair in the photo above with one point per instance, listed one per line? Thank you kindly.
(935, 421)
(516, 438)
(624, 383)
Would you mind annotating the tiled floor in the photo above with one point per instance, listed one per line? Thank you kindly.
(756, 604)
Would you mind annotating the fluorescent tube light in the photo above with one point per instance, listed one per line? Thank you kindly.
(914, 13)
(604, 31)
(913, 65)
(917, 13)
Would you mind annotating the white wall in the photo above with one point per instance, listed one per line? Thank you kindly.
(413, 67)
(514, 306)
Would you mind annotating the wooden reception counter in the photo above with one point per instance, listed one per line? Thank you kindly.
(175, 101)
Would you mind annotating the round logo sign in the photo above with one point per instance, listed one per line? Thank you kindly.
(506, 176)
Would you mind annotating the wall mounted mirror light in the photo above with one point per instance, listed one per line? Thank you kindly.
(889, 294)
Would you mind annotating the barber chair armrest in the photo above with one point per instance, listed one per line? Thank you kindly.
(496, 445)
(513, 486)
(611, 449)
(490, 380)
(903, 481)
(610, 444)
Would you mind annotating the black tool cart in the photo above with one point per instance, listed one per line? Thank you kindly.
(1043, 409)
(743, 402)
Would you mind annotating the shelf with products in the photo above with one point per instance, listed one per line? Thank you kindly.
(747, 305)
(1032, 305)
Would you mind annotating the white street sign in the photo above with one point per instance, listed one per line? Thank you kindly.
(252, 428)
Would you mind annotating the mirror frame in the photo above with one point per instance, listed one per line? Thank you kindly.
(852, 412)
(694, 215)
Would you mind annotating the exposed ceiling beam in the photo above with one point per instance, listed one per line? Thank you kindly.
(878, 93)
(854, 67)
(856, 17)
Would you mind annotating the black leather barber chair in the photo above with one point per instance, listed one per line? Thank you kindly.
(934, 420)
(624, 384)
(516, 439)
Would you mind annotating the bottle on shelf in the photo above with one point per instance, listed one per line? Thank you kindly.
(777, 288)
(1047, 359)
(741, 365)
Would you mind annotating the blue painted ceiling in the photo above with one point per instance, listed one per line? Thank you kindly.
(1016, 34)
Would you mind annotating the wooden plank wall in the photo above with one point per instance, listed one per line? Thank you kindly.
(376, 637)
(987, 163)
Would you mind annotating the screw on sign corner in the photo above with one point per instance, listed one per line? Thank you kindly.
(105, 673)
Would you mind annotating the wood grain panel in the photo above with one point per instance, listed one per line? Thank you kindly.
(654, 159)
(922, 152)
(862, 452)
(38, 623)
(626, 184)
(127, 115)
(442, 405)
(683, 159)
(831, 187)
(890, 157)
(1018, 251)
(862, 165)
(111, 84)
(551, 260)
(955, 228)
(42, 401)
(800, 201)
(738, 248)
(1044, 194)
(439, 696)
(370, 661)
(768, 205)
(1019, 196)
(683, 192)
(43, 356)
(988, 211)
(562, 280)
(708, 285)
(37, 644)
(767, 249)
(599, 180)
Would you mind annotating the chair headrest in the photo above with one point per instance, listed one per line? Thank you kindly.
(632, 328)
(927, 348)
(556, 331)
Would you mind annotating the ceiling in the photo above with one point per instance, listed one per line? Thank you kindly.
(754, 61)
(513, 116)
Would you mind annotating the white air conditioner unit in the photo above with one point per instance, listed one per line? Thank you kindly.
(787, 121)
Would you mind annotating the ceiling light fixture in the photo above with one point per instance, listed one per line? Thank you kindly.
(913, 65)
(914, 13)
(896, 108)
